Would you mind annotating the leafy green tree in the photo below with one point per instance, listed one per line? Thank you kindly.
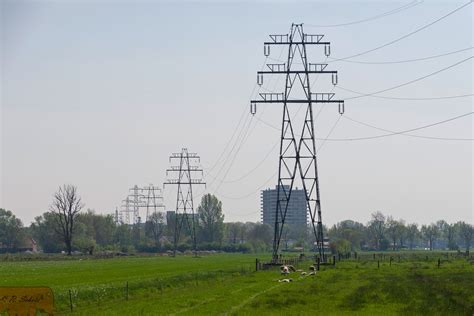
(45, 233)
(98, 227)
(412, 234)
(211, 219)
(430, 233)
(123, 237)
(395, 231)
(377, 228)
(11, 229)
(155, 227)
(340, 246)
(260, 236)
(233, 231)
(137, 233)
(466, 231)
(349, 230)
(448, 232)
(402, 233)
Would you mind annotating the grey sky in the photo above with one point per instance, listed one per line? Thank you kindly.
(99, 94)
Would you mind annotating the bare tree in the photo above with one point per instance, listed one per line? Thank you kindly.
(66, 206)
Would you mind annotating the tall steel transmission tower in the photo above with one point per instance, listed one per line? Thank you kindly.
(149, 197)
(297, 151)
(117, 216)
(127, 209)
(131, 206)
(186, 173)
(136, 198)
(153, 199)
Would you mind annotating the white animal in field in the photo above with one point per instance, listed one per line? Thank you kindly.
(284, 269)
(303, 273)
(285, 280)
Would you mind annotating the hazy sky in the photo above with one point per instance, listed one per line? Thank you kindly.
(100, 93)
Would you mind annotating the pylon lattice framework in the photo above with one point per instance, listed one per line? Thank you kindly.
(297, 156)
(185, 176)
(153, 199)
(149, 197)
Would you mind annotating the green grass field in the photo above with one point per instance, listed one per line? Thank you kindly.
(228, 284)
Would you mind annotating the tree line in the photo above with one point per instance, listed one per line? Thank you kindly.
(386, 233)
(65, 227)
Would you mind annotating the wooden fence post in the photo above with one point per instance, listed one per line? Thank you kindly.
(70, 300)
(126, 291)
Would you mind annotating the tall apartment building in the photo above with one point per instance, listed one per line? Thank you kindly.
(297, 213)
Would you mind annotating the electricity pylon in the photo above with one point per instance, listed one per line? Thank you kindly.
(137, 201)
(153, 199)
(117, 217)
(127, 208)
(185, 178)
(297, 156)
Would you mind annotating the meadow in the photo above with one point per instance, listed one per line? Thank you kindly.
(220, 284)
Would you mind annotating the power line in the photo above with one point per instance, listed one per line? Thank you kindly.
(254, 191)
(405, 134)
(407, 60)
(238, 140)
(410, 82)
(232, 137)
(393, 61)
(386, 135)
(329, 134)
(404, 36)
(256, 166)
(272, 177)
(273, 147)
(271, 150)
(393, 11)
(243, 131)
(240, 133)
(246, 134)
(408, 98)
(237, 126)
